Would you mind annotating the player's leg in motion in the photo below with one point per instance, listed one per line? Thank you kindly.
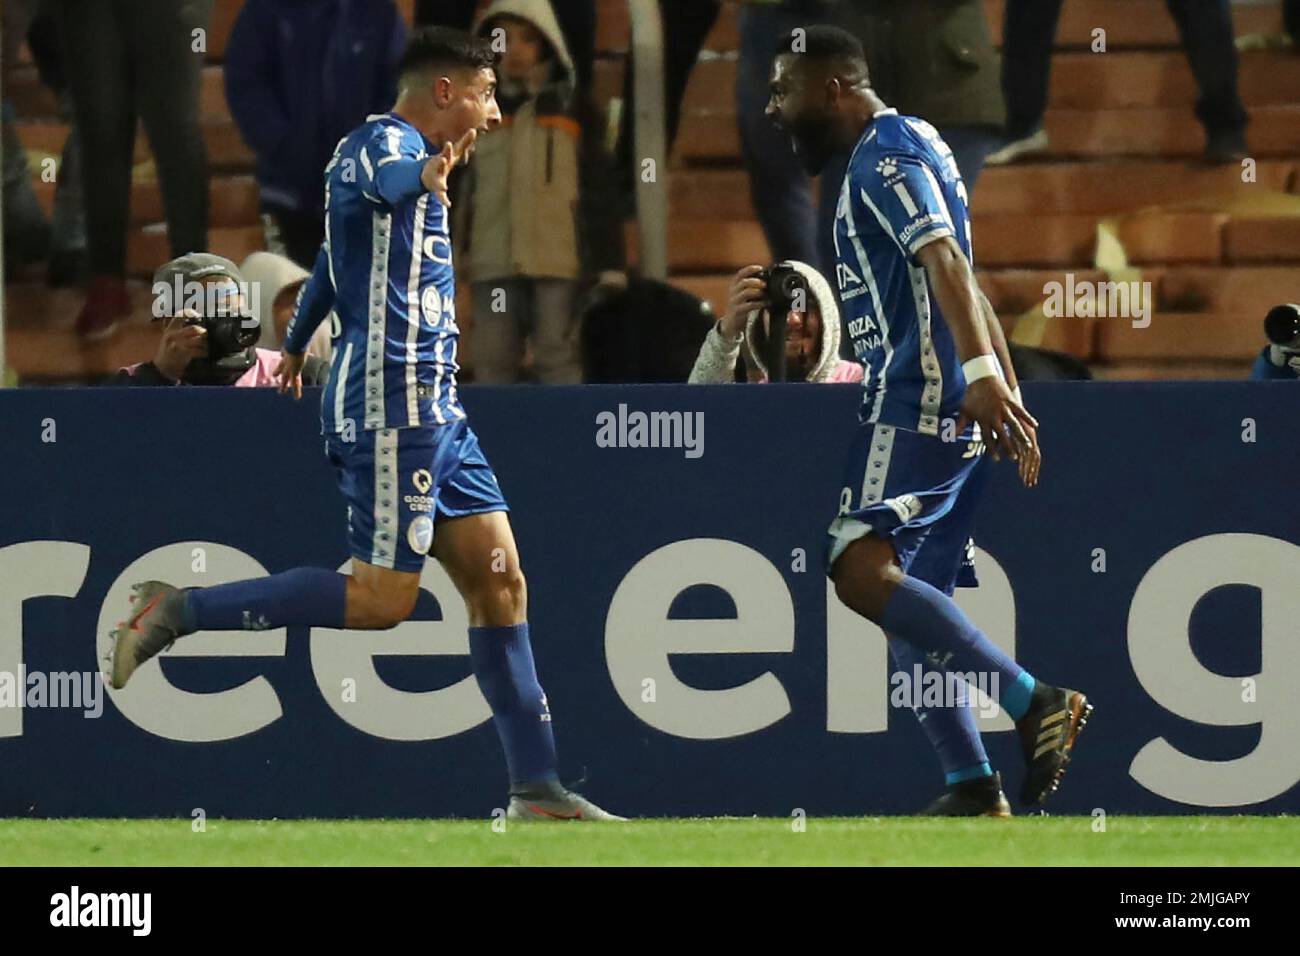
(973, 789)
(869, 580)
(479, 553)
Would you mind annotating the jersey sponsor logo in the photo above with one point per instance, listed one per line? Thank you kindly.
(887, 167)
(917, 225)
(431, 306)
(438, 249)
(861, 326)
(423, 503)
(845, 276)
(423, 480)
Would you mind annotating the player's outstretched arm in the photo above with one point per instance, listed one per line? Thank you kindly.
(1006, 427)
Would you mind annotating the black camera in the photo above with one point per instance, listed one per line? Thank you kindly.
(786, 290)
(1282, 326)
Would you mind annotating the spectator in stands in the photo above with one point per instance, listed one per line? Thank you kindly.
(30, 238)
(26, 231)
(812, 334)
(68, 223)
(1205, 26)
(522, 201)
(123, 59)
(300, 75)
(275, 282)
(200, 346)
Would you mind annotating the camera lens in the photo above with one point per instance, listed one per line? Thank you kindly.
(1282, 326)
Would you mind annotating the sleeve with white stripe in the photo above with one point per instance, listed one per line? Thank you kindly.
(391, 164)
(907, 200)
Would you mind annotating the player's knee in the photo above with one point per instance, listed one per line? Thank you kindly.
(500, 599)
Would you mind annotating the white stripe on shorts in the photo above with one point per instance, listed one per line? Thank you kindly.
(383, 548)
(882, 447)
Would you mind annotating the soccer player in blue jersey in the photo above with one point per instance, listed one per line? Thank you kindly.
(935, 361)
(409, 465)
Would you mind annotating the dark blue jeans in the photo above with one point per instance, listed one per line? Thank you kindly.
(1206, 30)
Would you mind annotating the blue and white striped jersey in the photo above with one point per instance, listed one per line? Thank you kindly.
(901, 191)
(385, 270)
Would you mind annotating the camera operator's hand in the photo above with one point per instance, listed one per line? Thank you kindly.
(748, 292)
(288, 374)
(434, 175)
(1005, 426)
(181, 342)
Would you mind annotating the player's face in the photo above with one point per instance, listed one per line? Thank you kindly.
(473, 104)
(797, 104)
(803, 341)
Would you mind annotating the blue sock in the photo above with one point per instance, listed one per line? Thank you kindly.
(952, 731)
(503, 663)
(304, 596)
(932, 623)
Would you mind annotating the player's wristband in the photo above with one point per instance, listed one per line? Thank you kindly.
(981, 366)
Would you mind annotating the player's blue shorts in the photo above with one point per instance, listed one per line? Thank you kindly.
(917, 490)
(399, 481)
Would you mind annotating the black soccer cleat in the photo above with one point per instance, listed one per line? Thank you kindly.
(154, 624)
(552, 801)
(1047, 734)
(981, 797)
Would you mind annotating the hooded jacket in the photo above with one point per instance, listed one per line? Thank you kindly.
(717, 359)
(524, 177)
(301, 75)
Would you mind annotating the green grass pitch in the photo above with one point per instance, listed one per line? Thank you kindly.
(897, 841)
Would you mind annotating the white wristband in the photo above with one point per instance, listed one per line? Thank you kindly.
(981, 366)
(1015, 393)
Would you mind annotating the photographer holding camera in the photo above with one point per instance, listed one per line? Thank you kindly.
(790, 301)
(1281, 357)
(211, 330)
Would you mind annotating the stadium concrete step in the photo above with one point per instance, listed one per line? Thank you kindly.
(1120, 185)
(1114, 186)
(147, 246)
(226, 148)
(57, 355)
(33, 305)
(232, 201)
(1017, 239)
(1151, 132)
(1186, 335)
(1080, 81)
(1170, 370)
(1249, 290)
(1261, 240)
(1128, 23)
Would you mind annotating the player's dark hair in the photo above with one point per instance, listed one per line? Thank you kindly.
(822, 41)
(445, 48)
